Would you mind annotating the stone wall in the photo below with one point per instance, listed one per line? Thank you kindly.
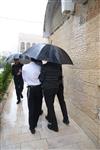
(81, 40)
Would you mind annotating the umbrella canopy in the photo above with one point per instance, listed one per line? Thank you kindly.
(48, 52)
(10, 58)
(22, 59)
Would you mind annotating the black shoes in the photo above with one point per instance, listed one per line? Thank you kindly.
(66, 121)
(51, 127)
(32, 131)
(18, 101)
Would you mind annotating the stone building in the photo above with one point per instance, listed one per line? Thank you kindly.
(27, 40)
(75, 26)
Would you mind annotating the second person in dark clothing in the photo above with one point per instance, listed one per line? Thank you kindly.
(51, 77)
(18, 80)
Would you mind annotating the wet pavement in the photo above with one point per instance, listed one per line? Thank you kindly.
(15, 134)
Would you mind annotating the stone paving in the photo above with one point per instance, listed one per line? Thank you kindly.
(15, 134)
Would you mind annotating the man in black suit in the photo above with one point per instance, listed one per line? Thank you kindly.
(51, 79)
(18, 80)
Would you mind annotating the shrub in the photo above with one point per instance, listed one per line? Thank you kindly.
(5, 78)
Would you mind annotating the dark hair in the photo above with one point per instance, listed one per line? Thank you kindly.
(32, 59)
(16, 59)
(39, 62)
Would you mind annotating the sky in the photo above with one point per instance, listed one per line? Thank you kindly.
(20, 16)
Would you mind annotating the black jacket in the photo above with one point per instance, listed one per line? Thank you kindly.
(15, 70)
(51, 74)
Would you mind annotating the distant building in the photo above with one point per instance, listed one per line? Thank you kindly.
(27, 40)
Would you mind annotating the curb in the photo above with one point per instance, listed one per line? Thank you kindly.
(7, 93)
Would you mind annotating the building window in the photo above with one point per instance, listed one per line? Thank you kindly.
(22, 46)
(28, 45)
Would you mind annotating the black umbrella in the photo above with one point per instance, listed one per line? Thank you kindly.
(10, 58)
(22, 59)
(48, 52)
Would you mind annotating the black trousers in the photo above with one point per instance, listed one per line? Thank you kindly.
(34, 96)
(49, 95)
(60, 95)
(19, 84)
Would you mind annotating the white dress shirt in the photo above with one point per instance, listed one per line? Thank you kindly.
(30, 73)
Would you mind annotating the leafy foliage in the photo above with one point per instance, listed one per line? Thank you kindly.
(5, 78)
